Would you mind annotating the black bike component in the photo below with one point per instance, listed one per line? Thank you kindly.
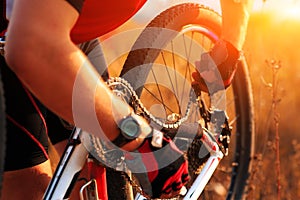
(190, 20)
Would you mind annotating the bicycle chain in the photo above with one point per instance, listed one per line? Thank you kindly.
(123, 88)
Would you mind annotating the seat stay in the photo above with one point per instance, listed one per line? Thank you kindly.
(209, 168)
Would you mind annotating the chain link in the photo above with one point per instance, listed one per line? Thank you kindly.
(122, 88)
(121, 85)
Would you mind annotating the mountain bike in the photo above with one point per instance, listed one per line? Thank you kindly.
(163, 58)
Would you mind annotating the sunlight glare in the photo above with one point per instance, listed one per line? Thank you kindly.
(283, 8)
(292, 12)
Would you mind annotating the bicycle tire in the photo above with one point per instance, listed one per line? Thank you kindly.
(178, 18)
(2, 134)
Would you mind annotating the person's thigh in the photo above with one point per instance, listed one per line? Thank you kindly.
(28, 183)
(27, 141)
(27, 168)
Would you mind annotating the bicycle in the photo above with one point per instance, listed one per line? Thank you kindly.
(179, 25)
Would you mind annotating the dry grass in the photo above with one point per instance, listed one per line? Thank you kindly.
(273, 37)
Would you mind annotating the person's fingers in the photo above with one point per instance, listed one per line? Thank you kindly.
(196, 76)
(172, 191)
(198, 83)
(185, 178)
(177, 188)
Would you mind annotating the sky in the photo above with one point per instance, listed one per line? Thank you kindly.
(277, 4)
(285, 7)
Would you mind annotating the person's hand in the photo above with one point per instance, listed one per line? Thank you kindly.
(161, 172)
(217, 67)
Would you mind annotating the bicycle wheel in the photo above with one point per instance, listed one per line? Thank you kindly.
(2, 134)
(159, 67)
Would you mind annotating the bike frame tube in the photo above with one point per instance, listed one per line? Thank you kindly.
(96, 188)
(209, 168)
(68, 169)
(97, 172)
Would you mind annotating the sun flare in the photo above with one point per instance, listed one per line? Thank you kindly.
(292, 12)
(283, 9)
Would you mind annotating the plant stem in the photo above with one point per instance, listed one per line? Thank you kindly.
(275, 67)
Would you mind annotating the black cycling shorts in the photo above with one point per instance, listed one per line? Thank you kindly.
(27, 140)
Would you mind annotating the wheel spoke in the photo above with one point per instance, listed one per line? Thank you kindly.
(195, 31)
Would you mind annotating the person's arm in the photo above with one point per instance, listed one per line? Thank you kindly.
(39, 50)
(235, 17)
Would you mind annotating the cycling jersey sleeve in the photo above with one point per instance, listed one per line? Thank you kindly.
(77, 4)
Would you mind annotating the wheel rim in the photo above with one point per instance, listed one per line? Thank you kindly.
(161, 103)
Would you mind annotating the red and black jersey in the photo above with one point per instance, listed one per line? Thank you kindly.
(98, 17)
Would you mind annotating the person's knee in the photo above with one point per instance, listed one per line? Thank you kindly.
(28, 183)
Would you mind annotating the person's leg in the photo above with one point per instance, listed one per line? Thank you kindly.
(235, 16)
(27, 183)
(27, 169)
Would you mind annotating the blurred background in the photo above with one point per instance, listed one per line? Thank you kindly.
(273, 55)
(272, 41)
